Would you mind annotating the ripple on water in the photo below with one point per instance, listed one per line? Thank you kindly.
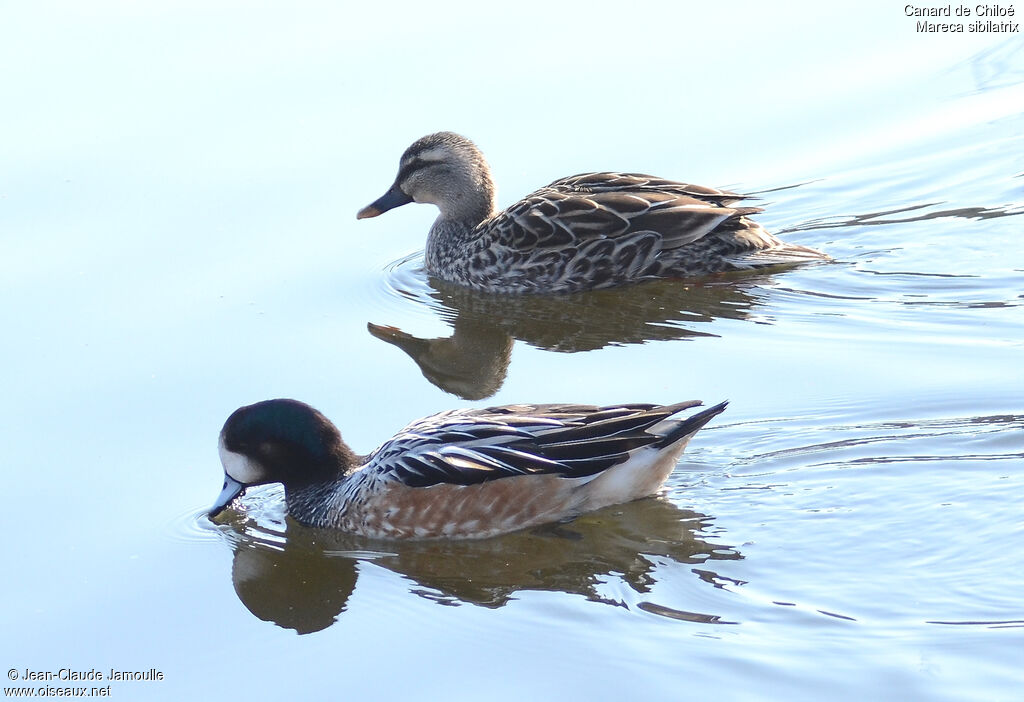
(915, 502)
(191, 526)
(405, 281)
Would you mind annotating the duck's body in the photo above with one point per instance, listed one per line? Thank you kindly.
(467, 473)
(585, 232)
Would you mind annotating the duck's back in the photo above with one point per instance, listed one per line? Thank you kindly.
(480, 472)
(640, 183)
(598, 230)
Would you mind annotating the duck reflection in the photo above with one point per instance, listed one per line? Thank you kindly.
(301, 578)
(473, 361)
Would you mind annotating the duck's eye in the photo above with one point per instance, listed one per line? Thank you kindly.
(413, 166)
(269, 450)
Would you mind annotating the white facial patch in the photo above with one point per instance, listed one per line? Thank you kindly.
(435, 154)
(239, 467)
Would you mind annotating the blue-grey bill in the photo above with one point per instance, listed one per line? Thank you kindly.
(232, 489)
(393, 198)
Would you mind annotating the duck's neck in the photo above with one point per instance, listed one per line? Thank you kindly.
(447, 245)
(313, 502)
(468, 201)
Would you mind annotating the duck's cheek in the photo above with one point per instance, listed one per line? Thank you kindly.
(425, 196)
(240, 467)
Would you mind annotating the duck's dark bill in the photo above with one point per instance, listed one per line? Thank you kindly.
(388, 201)
(232, 489)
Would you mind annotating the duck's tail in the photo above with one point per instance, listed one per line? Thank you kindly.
(784, 255)
(765, 249)
(646, 468)
(679, 429)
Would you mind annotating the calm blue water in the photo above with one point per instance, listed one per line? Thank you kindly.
(177, 224)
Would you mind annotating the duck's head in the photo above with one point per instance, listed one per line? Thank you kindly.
(278, 441)
(442, 169)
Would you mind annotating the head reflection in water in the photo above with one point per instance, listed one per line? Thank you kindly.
(472, 363)
(296, 588)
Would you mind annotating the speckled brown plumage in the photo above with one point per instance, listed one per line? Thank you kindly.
(589, 231)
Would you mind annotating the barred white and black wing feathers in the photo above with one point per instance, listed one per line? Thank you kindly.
(467, 447)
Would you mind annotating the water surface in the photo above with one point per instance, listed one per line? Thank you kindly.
(177, 222)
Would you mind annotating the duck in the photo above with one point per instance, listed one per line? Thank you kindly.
(584, 232)
(460, 474)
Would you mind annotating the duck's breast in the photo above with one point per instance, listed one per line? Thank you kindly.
(465, 511)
